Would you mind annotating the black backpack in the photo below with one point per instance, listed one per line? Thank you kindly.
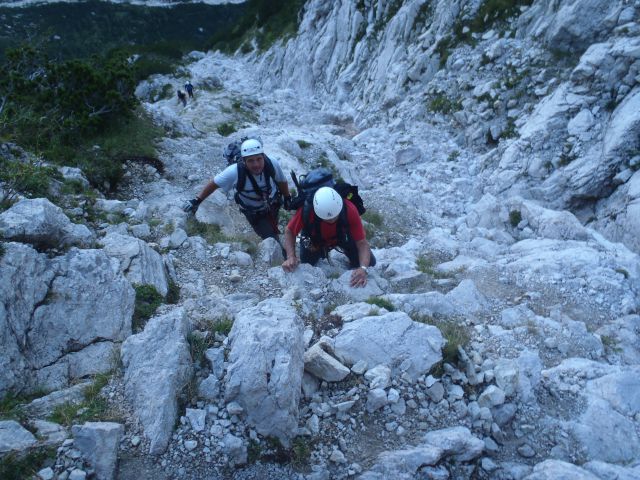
(307, 186)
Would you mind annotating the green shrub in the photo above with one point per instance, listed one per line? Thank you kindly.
(373, 217)
(27, 178)
(173, 293)
(443, 104)
(11, 405)
(13, 467)
(515, 217)
(225, 129)
(265, 20)
(453, 156)
(2, 250)
(209, 231)
(456, 335)
(494, 11)
(51, 102)
(223, 326)
(303, 144)
(426, 265)
(300, 451)
(148, 299)
(198, 345)
(381, 302)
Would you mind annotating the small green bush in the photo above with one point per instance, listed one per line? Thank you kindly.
(381, 302)
(209, 231)
(456, 335)
(13, 467)
(443, 104)
(223, 326)
(198, 345)
(148, 299)
(453, 156)
(515, 217)
(303, 144)
(225, 129)
(27, 178)
(173, 293)
(373, 217)
(300, 451)
(11, 405)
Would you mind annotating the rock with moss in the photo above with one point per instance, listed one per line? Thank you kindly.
(138, 262)
(42, 224)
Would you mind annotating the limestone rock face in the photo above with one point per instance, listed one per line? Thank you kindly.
(60, 317)
(265, 367)
(160, 352)
(42, 224)
(565, 26)
(138, 262)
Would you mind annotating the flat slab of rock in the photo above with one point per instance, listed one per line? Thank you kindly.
(393, 340)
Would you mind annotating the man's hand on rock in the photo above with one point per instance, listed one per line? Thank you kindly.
(290, 264)
(359, 277)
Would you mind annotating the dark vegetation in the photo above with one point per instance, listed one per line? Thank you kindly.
(263, 21)
(13, 467)
(69, 71)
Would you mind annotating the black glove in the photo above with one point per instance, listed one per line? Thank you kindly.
(192, 205)
(287, 203)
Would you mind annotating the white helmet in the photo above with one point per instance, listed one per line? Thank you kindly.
(250, 147)
(327, 203)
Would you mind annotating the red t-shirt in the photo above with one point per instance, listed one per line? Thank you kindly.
(328, 230)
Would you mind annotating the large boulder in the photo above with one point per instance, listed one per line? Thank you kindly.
(265, 367)
(393, 340)
(160, 352)
(138, 262)
(59, 318)
(42, 224)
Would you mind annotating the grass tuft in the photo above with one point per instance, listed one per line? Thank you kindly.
(381, 302)
(148, 299)
(13, 467)
(456, 335)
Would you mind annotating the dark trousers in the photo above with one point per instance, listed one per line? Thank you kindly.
(310, 255)
(265, 222)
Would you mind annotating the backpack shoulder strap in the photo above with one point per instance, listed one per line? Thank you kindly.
(269, 169)
(242, 176)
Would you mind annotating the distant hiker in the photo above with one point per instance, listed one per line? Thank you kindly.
(331, 223)
(189, 88)
(260, 186)
(182, 97)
